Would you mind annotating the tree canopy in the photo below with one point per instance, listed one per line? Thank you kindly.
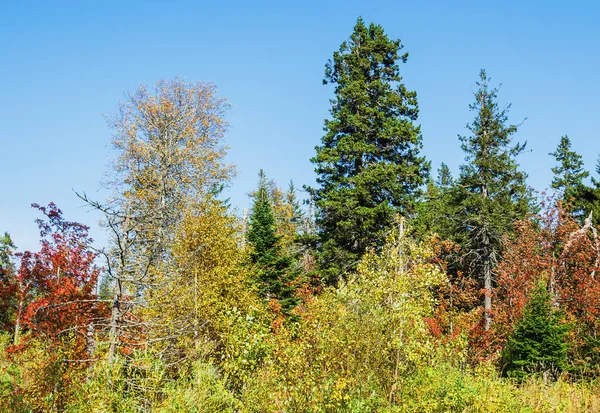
(369, 165)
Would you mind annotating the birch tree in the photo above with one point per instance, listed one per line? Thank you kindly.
(169, 155)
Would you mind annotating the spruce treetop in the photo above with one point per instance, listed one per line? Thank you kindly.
(491, 169)
(569, 173)
(262, 231)
(275, 270)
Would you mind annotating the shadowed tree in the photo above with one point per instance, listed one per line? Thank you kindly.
(539, 341)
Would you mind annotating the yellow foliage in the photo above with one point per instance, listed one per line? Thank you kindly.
(355, 344)
(193, 299)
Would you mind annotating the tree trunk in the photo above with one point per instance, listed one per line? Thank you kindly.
(487, 280)
(487, 269)
(17, 330)
(487, 302)
(115, 320)
(18, 317)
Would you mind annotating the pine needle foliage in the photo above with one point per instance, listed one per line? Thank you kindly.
(368, 166)
(275, 268)
(538, 343)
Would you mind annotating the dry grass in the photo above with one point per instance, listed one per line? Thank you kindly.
(561, 396)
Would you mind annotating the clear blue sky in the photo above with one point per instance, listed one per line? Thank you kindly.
(64, 64)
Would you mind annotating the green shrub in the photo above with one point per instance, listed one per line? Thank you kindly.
(538, 343)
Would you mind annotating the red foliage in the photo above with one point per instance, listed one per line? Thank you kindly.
(53, 290)
(276, 309)
(550, 247)
(555, 249)
(457, 300)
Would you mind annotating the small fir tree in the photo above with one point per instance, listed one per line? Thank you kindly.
(276, 273)
(538, 343)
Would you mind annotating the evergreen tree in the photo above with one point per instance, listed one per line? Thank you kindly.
(539, 341)
(368, 166)
(276, 273)
(444, 178)
(568, 179)
(584, 200)
(435, 211)
(491, 193)
(290, 219)
(294, 213)
(289, 216)
(569, 173)
(6, 255)
(294, 230)
(593, 197)
(587, 201)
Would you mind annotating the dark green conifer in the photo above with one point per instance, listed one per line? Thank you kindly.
(569, 173)
(586, 200)
(368, 166)
(568, 180)
(276, 275)
(435, 212)
(581, 199)
(538, 343)
(491, 194)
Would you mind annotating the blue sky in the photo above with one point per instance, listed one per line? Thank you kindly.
(64, 64)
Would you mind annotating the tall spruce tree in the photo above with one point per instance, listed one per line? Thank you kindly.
(491, 193)
(368, 166)
(569, 173)
(275, 267)
(568, 180)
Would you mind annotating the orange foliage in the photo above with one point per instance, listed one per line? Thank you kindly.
(555, 249)
(54, 289)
